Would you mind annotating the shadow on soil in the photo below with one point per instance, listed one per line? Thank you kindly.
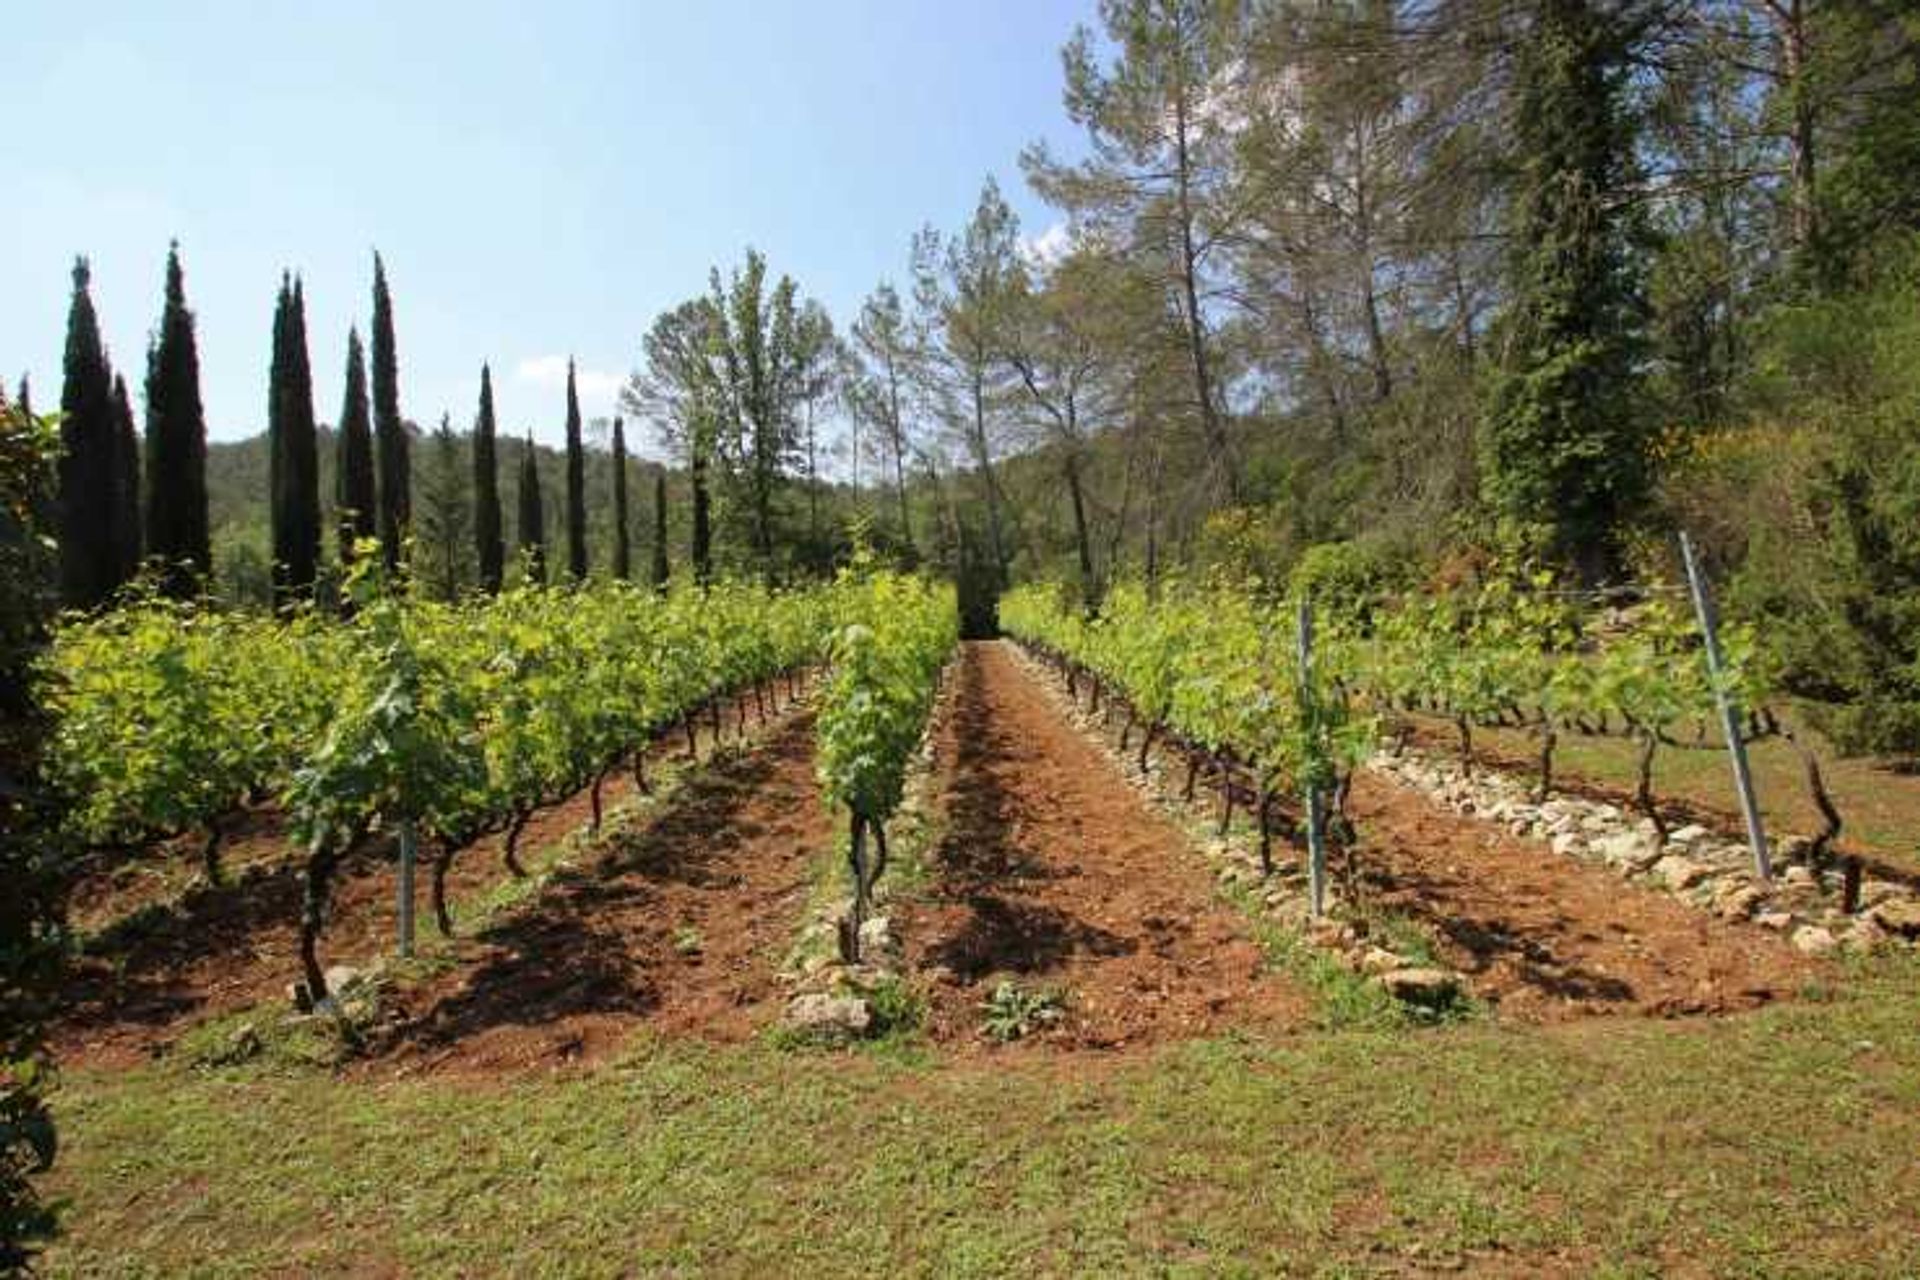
(978, 855)
(593, 941)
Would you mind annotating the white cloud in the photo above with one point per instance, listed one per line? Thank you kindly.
(597, 387)
(1044, 251)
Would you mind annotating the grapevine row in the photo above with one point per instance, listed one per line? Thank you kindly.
(1216, 674)
(441, 721)
(1216, 669)
(891, 637)
(1518, 655)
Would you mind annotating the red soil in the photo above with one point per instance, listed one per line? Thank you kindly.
(216, 950)
(680, 929)
(1547, 937)
(1052, 872)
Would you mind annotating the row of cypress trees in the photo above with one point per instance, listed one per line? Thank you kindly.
(532, 505)
(98, 505)
(104, 542)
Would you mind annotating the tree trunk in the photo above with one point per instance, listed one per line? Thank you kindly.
(1548, 739)
(322, 858)
(1083, 541)
(437, 889)
(1219, 448)
(599, 780)
(1791, 18)
(210, 853)
(1266, 832)
(1643, 794)
(514, 828)
(856, 910)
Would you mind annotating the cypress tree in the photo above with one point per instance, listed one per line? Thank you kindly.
(489, 542)
(89, 559)
(390, 433)
(445, 525)
(1565, 453)
(622, 551)
(293, 451)
(177, 532)
(576, 486)
(25, 399)
(354, 499)
(126, 483)
(533, 521)
(660, 569)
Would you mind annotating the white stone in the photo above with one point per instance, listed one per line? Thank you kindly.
(1814, 940)
(828, 1017)
(1692, 833)
(1739, 901)
(1628, 849)
(877, 937)
(1679, 872)
(1378, 960)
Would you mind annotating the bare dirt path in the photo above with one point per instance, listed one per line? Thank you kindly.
(217, 950)
(679, 929)
(1052, 872)
(1547, 938)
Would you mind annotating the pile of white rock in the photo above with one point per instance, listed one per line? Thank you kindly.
(1703, 869)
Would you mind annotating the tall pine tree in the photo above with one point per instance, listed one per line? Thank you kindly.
(390, 432)
(126, 483)
(293, 451)
(177, 534)
(660, 567)
(488, 541)
(89, 557)
(576, 486)
(533, 520)
(354, 498)
(1565, 453)
(622, 550)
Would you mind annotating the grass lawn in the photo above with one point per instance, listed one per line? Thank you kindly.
(1782, 1142)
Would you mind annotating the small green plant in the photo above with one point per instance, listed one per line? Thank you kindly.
(897, 1008)
(687, 940)
(1013, 1013)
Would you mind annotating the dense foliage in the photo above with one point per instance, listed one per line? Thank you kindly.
(455, 718)
(30, 908)
(891, 635)
(1216, 666)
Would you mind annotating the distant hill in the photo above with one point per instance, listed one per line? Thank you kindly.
(237, 502)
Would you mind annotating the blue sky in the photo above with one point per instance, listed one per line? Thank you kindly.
(541, 179)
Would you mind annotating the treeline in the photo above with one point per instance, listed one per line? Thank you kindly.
(1388, 289)
(327, 493)
(1395, 289)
